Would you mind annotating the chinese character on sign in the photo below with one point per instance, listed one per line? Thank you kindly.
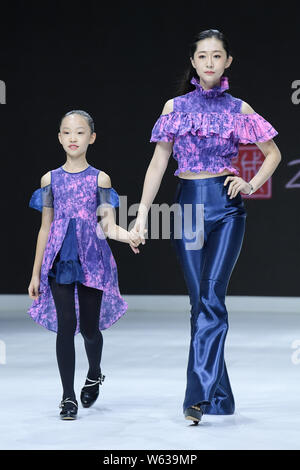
(248, 162)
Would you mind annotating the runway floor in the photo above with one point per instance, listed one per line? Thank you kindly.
(144, 361)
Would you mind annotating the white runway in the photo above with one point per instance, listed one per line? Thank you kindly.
(144, 361)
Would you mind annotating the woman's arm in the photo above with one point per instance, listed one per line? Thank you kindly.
(272, 156)
(47, 218)
(154, 175)
(153, 178)
(272, 159)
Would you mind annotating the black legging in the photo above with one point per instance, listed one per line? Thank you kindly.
(89, 306)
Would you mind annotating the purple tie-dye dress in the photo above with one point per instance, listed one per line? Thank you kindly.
(75, 198)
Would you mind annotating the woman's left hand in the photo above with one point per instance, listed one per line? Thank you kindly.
(236, 185)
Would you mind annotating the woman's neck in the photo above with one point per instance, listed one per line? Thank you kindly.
(209, 86)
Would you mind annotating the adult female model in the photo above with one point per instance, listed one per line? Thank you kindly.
(203, 128)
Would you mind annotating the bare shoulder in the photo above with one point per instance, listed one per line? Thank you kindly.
(246, 108)
(104, 180)
(168, 107)
(46, 179)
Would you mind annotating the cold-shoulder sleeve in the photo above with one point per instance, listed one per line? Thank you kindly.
(251, 128)
(107, 196)
(164, 128)
(42, 197)
(245, 128)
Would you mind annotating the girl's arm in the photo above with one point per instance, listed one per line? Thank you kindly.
(47, 218)
(107, 214)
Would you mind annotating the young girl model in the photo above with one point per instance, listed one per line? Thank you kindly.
(74, 280)
(203, 126)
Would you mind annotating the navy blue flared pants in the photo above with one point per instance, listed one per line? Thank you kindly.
(207, 232)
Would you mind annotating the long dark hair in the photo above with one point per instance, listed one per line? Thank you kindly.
(184, 85)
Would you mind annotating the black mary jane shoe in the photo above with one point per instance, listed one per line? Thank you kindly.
(90, 391)
(69, 408)
(194, 414)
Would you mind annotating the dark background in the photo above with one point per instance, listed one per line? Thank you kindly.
(121, 63)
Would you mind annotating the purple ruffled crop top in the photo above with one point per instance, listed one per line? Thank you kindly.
(207, 126)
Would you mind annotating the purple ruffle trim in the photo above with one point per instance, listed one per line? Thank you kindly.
(200, 167)
(246, 128)
(212, 92)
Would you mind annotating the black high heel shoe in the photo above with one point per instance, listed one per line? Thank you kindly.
(69, 408)
(195, 414)
(90, 391)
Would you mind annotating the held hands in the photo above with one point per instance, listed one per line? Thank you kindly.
(33, 289)
(137, 234)
(236, 185)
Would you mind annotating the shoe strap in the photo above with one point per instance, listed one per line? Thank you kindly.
(198, 406)
(67, 400)
(95, 382)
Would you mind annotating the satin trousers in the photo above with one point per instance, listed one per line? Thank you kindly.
(207, 232)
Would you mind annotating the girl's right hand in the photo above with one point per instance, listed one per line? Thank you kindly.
(33, 289)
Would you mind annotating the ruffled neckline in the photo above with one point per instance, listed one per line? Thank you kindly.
(214, 91)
